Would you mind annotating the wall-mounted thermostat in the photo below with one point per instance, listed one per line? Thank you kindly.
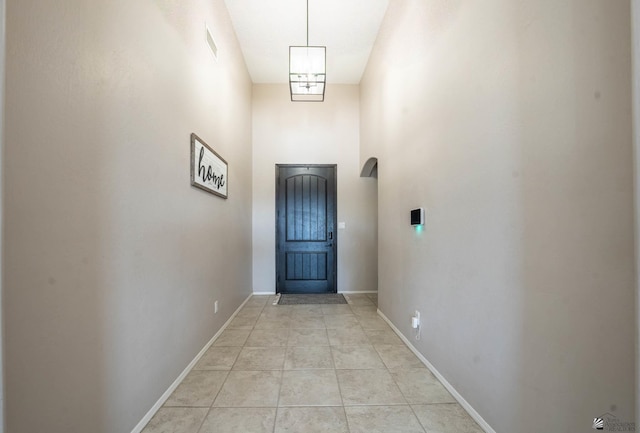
(417, 216)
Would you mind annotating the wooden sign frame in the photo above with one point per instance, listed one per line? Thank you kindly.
(209, 171)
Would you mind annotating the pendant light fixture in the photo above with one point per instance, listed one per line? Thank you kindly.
(307, 71)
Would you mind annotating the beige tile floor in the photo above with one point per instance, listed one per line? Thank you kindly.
(308, 369)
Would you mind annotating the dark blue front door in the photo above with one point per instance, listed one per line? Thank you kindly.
(305, 225)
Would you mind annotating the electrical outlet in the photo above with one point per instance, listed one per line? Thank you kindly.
(215, 307)
(415, 323)
(415, 320)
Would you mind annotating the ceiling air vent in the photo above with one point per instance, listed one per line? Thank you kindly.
(211, 43)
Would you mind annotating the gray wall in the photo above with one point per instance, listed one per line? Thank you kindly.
(635, 27)
(2, 78)
(510, 122)
(113, 261)
(326, 133)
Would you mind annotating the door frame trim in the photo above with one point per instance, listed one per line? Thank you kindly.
(335, 217)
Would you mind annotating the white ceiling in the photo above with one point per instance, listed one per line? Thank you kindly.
(266, 28)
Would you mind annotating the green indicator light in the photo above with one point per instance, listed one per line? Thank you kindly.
(419, 228)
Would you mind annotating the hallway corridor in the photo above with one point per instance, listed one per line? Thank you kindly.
(307, 369)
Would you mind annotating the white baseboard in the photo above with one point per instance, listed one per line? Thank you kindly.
(145, 420)
(358, 292)
(264, 293)
(465, 405)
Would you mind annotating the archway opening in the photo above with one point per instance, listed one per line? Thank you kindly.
(370, 168)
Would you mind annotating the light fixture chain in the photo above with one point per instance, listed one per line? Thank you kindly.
(307, 70)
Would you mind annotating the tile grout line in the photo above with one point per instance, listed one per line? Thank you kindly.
(224, 382)
(229, 373)
(417, 418)
(226, 377)
(292, 326)
(275, 418)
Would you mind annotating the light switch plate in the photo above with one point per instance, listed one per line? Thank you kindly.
(342, 225)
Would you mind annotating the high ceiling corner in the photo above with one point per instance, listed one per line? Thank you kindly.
(266, 29)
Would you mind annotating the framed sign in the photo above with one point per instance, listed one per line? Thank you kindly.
(208, 169)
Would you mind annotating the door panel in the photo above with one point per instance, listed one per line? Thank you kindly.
(306, 214)
(306, 211)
